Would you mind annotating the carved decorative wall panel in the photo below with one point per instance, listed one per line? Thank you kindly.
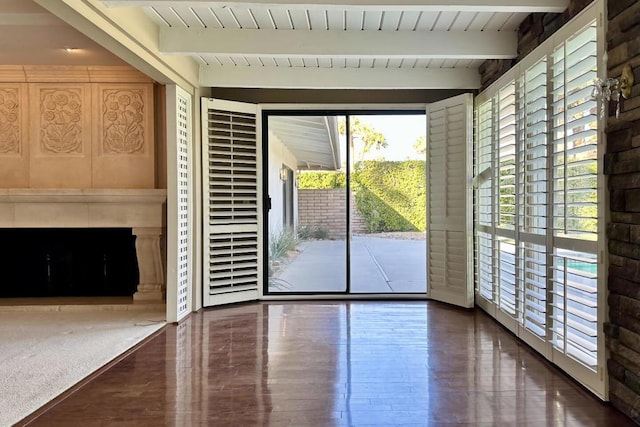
(122, 148)
(61, 130)
(123, 121)
(76, 127)
(10, 117)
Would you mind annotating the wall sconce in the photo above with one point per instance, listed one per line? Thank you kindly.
(606, 90)
(283, 174)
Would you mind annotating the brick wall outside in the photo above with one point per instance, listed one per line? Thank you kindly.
(327, 209)
(622, 165)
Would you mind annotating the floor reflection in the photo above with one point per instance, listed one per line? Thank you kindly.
(334, 363)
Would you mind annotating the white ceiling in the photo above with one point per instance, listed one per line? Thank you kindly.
(313, 140)
(386, 44)
(356, 44)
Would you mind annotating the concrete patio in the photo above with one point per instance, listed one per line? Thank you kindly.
(378, 265)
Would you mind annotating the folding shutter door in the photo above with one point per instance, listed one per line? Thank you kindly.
(179, 245)
(449, 277)
(231, 201)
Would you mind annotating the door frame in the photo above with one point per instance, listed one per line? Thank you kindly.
(334, 110)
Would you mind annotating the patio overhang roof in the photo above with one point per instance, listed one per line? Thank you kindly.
(313, 140)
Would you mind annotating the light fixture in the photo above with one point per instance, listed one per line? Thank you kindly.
(610, 89)
(283, 173)
(70, 49)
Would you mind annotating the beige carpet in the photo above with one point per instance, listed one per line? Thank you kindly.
(43, 353)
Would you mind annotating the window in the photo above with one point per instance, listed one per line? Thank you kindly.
(537, 235)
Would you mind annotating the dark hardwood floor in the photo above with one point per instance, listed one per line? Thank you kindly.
(333, 364)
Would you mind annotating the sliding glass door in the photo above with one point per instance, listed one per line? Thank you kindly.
(347, 203)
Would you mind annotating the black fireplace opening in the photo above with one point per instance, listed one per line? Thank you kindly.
(67, 262)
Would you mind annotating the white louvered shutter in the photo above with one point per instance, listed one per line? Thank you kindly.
(550, 256)
(533, 197)
(231, 201)
(505, 178)
(180, 215)
(449, 243)
(484, 239)
(574, 320)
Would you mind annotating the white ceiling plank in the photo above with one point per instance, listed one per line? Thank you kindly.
(352, 63)
(395, 63)
(186, 17)
(366, 62)
(445, 21)
(168, 15)
(228, 18)
(423, 63)
(277, 18)
(254, 62)
(325, 62)
(317, 19)
(244, 18)
(408, 21)
(297, 62)
(372, 20)
(450, 63)
(427, 20)
(354, 20)
(435, 44)
(299, 19)
(391, 21)
(336, 19)
(554, 6)
(339, 78)
(513, 22)
(480, 21)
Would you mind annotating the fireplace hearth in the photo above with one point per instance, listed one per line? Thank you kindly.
(79, 261)
(67, 262)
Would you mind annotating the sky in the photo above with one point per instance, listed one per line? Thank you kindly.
(401, 132)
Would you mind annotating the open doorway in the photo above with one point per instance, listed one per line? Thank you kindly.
(357, 221)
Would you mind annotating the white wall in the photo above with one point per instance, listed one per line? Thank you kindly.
(280, 155)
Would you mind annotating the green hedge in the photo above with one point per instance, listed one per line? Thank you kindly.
(390, 196)
(321, 180)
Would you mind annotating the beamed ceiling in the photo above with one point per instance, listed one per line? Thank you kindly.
(385, 44)
(339, 44)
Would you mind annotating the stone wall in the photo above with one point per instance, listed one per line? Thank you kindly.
(326, 209)
(76, 127)
(536, 28)
(622, 165)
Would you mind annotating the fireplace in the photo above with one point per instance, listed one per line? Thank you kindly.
(66, 242)
(59, 262)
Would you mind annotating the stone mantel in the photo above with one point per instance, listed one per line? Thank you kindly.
(140, 210)
(81, 208)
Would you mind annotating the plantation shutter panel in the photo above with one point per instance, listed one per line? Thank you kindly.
(484, 201)
(550, 255)
(505, 178)
(179, 186)
(231, 201)
(533, 197)
(449, 243)
(574, 290)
